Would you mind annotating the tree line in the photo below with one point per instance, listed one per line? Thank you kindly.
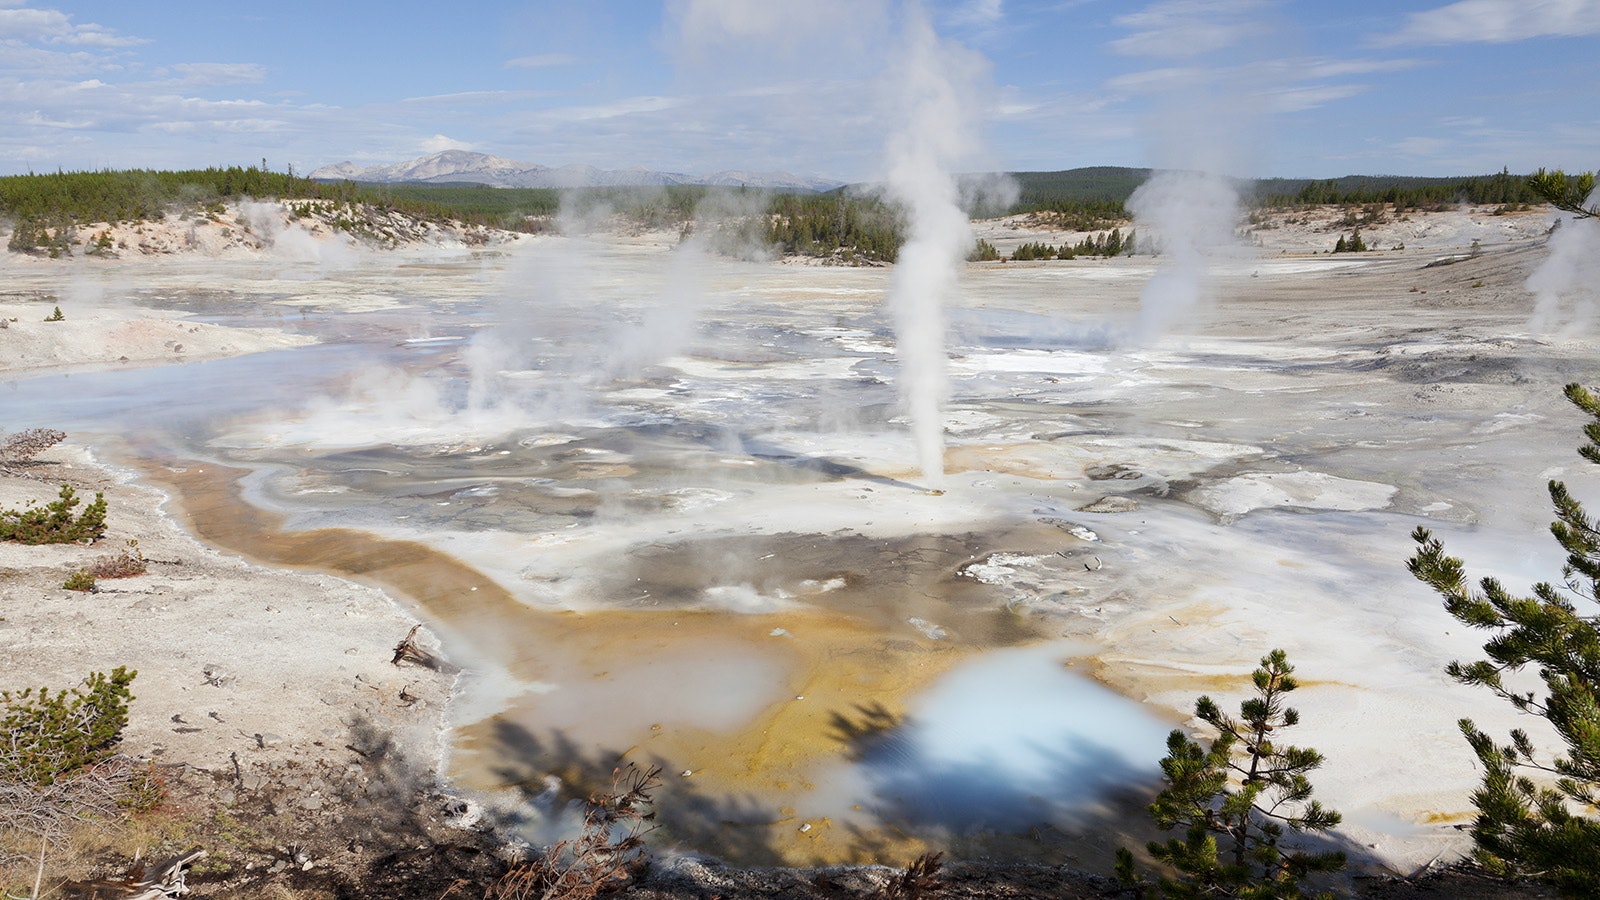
(851, 226)
(1500, 189)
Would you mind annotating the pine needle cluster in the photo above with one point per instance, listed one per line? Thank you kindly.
(1235, 799)
(1538, 811)
(54, 522)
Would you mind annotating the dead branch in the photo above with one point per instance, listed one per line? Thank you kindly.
(913, 881)
(606, 854)
(408, 651)
(142, 882)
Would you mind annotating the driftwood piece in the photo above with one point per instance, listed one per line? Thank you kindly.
(408, 651)
(159, 882)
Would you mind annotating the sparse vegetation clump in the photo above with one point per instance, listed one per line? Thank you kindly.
(604, 856)
(55, 316)
(20, 448)
(54, 523)
(1353, 244)
(58, 768)
(1234, 799)
(46, 735)
(80, 580)
(1538, 811)
(1033, 250)
(126, 564)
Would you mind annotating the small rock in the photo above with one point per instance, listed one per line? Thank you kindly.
(1111, 504)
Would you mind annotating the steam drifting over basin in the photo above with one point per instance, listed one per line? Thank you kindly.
(725, 559)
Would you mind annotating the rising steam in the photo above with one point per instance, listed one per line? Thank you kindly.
(1566, 286)
(939, 130)
(1188, 217)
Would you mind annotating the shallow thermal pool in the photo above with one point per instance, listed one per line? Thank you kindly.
(694, 534)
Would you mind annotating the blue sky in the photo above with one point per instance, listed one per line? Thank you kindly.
(1248, 87)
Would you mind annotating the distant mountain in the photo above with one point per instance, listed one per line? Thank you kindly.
(480, 168)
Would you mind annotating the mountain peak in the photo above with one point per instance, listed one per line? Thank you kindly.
(497, 171)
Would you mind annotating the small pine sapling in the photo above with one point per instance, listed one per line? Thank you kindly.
(1548, 829)
(55, 316)
(1234, 799)
(80, 580)
(54, 523)
(45, 735)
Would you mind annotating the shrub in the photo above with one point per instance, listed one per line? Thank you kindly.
(53, 523)
(1243, 789)
(128, 563)
(80, 580)
(45, 735)
(55, 316)
(58, 770)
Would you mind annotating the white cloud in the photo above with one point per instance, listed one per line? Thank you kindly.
(1155, 81)
(626, 106)
(541, 61)
(1178, 29)
(1422, 146)
(475, 98)
(50, 26)
(702, 25)
(1281, 85)
(220, 73)
(1498, 21)
(1338, 68)
(1299, 98)
(979, 12)
(439, 143)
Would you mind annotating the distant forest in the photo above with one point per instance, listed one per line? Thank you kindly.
(851, 224)
(1075, 189)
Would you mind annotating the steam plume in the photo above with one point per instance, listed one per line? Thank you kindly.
(1566, 286)
(937, 133)
(1190, 214)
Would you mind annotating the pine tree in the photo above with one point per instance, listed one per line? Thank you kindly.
(1550, 828)
(1566, 193)
(1234, 799)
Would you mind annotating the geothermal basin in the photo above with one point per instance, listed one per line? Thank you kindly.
(664, 507)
